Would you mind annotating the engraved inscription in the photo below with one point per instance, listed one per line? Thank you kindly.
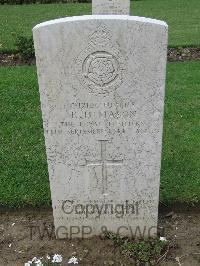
(103, 162)
(85, 118)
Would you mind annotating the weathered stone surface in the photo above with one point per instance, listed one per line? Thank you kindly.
(109, 7)
(102, 82)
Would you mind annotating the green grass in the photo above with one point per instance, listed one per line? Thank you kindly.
(181, 15)
(23, 176)
(23, 171)
(180, 175)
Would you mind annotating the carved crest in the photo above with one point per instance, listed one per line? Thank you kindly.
(100, 66)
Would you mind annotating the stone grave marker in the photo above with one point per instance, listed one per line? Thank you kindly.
(108, 7)
(102, 82)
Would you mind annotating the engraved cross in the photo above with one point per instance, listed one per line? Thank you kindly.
(103, 162)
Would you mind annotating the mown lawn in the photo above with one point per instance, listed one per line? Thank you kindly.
(23, 171)
(180, 175)
(181, 15)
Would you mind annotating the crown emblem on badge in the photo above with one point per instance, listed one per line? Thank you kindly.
(101, 36)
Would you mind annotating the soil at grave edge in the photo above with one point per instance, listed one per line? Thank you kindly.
(17, 247)
(173, 54)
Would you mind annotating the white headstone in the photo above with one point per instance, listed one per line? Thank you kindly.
(102, 81)
(109, 7)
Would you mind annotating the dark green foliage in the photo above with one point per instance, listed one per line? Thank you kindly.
(145, 251)
(25, 47)
(117, 239)
(20, 2)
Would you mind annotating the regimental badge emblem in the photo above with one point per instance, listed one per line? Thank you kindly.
(100, 66)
